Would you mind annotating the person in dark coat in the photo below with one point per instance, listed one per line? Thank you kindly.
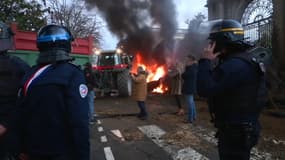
(55, 122)
(91, 84)
(189, 86)
(232, 89)
(12, 69)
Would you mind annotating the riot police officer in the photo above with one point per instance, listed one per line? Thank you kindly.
(12, 69)
(55, 121)
(232, 89)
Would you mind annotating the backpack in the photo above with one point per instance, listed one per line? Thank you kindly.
(259, 58)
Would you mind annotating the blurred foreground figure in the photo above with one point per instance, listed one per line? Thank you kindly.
(54, 100)
(234, 89)
(12, 69)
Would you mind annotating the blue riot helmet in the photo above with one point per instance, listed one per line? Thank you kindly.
(228, 33)
(6, 37)
(54, 44)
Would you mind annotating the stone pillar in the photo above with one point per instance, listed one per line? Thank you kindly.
(279, 36)
(228, 9)
(234, 9)
(215, 9)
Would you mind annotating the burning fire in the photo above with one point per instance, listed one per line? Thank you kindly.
(160, 89)
(155, 72)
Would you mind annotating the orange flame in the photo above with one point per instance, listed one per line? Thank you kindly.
(160, 89)
(155, 72)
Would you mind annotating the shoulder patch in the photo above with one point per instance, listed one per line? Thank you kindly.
(83, 90)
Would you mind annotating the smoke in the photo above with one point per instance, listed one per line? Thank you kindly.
(132, 20)
(196, 39)
(164, 13)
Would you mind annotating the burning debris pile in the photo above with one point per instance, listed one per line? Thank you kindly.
(146, 29)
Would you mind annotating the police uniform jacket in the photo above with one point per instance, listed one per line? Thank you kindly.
(231, 89)
(55, 112)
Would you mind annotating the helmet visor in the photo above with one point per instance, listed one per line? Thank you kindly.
(53, 33)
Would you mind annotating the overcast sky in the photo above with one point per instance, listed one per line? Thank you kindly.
(186, 9)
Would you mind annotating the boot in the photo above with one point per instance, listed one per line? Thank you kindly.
(180, 112)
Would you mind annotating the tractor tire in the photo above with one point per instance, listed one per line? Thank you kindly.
(124, 84)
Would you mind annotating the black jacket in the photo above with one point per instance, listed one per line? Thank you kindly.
(190, 79)
(12, 70)
(231, 88)
(55, 112)
(90, 78)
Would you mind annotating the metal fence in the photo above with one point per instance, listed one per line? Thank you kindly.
(260, 32)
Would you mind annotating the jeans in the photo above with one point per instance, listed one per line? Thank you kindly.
(90, 96)
(142, 107)
(191, 107)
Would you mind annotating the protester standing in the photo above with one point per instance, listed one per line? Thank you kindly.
(91, 84)
(140, 91)
(175, 73)
(189, 86)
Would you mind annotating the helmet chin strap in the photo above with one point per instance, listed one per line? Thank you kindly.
(53, 56)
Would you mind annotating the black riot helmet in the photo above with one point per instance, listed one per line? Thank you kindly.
(54, 44)
(6, 37)
(228, 33)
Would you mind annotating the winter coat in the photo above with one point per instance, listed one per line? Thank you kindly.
(55, 112)
(12, 70)
(176, 79)
(231, 88)
(140, 87)
(190, 79)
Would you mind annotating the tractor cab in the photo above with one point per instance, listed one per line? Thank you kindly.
(112, 69)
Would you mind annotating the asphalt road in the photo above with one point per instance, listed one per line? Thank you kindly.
(118, 134)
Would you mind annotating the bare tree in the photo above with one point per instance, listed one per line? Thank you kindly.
(74, 16)
(194, 41)
(28, 14)
(194, 23)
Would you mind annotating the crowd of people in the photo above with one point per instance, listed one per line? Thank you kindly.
(234, 87)
(45, 110)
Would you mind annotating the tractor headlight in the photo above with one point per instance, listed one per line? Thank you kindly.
(119, 51)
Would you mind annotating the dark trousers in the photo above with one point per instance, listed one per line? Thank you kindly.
(234, 145)
(44, 157)
(3, 154)
(9, 146)
(142, 107)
